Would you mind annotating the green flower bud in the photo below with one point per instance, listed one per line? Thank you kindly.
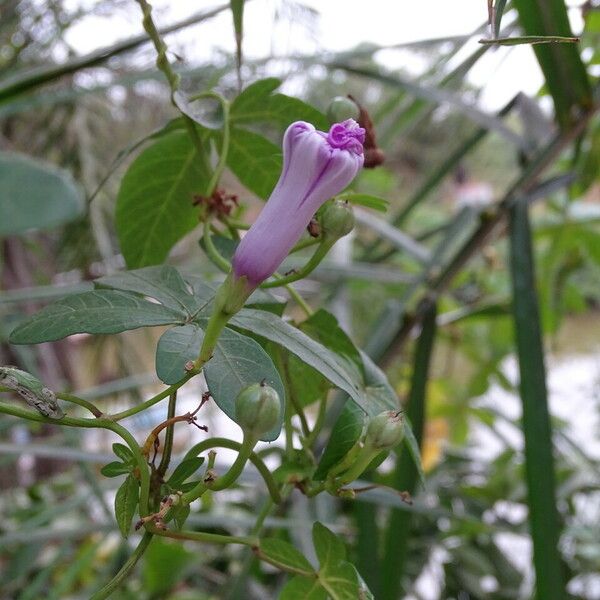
(257, 409)
(385, 431)
(342, 108)
(337, 220)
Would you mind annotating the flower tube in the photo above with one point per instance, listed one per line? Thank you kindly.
(316, 167)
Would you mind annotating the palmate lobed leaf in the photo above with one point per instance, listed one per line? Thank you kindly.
(115, 310)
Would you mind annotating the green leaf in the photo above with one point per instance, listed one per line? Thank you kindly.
(35, 195)
(324, 327)
(499, 6)
(186, 468)
(316, 355)
(206, 112)
(237, 10)
(258, 104)
(308, 384)
(284, 556)
(564, 71)
(530, 39)
(126, 502)
(329, 548)
(115, 468)
(98, 311)
(163, 283)
(123, 452)
(154, 206)
(412, 445)
(303, 588)
(346, 432)
(180, 514)
(408, 466)
(366, 200)
(380, 391)
(239, 361)
(176, 347)
(539, 462)
(172, 125)
(341, 582)
(377, 388)
(255, 161)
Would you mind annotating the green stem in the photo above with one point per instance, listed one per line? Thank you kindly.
(237, 590)
(168, 444)
(216, 323)
(228, 478)
(201, 536)
(261, 467)
(214, 180)
(282, 366)
(310, 241)
(81, 402)
(310, 440)
(163, 64)
(125, 570)
(236, 224)
(318, 255)
(152, 401)
(300, 301)
(212, 251)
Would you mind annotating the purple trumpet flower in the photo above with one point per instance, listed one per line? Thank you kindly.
(316, 167)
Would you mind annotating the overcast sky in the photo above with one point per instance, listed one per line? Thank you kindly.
(341, 24)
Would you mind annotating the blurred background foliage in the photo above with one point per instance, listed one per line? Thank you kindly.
(441, 326)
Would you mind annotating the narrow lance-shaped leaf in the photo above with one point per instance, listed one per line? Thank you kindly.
(563, 69)
(126, 502)
(316, 355)
(98, 311)
(499, 6)
(406, 473)
(163, 283)
(539, 463)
